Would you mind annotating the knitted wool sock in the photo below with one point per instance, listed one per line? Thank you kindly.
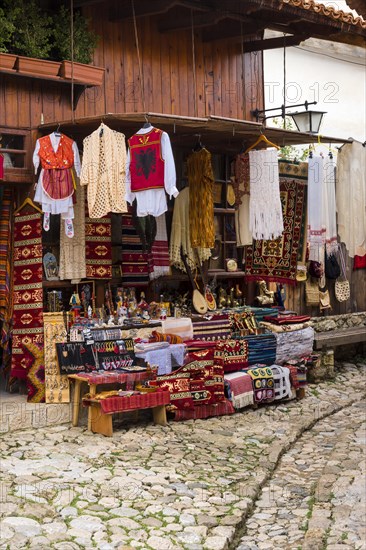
(46, 221)
(69, 228)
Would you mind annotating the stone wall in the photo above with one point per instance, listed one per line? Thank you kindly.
(332, 322)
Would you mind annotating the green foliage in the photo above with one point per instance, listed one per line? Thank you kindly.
(289, 152)
(33, 32)
(25, 29)
(85, 41)
(7, 29)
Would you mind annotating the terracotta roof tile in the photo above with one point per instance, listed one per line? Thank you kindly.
(329, 11)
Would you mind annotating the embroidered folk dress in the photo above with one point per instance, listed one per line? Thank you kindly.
(151, 199)
(57, 154)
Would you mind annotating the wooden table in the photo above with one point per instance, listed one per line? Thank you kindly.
(94, 379)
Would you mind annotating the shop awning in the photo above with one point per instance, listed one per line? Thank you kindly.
(217, 133)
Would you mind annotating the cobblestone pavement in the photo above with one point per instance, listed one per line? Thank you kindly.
(289, 476)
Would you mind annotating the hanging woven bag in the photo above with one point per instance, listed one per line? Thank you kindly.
(342, 288)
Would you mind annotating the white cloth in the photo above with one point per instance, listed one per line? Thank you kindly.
(282, 384)
(180, 326)
(351, 197)
(265, 209)
(72, 251)
(54, 206)
(104, 171)
(163, 357)
(153, 201)
(316, 214)
(329, 202)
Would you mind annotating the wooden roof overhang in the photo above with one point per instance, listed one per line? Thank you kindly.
(245, 20)
(218, 134)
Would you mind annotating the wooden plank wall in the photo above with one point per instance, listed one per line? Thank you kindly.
(225, 85)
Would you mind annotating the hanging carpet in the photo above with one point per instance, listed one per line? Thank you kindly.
(6, 210)
(277, 260)
(135, 270)
(27, 352)
(98, 247)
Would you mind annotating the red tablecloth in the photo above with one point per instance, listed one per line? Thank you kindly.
(128, 378)
(141, 401)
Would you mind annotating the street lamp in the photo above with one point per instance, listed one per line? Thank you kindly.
(306, 121)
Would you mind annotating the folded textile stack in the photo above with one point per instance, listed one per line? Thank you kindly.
(261, 348)
(216, 328)
(239, 388)
(294, 345)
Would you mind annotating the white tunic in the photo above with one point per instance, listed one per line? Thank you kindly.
(153, 201)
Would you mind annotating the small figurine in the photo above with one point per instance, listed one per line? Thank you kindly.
(266, 297)
(111, 321)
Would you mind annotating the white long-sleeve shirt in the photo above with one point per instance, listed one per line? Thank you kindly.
(153, 201)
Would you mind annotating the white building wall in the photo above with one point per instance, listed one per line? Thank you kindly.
(330, 73)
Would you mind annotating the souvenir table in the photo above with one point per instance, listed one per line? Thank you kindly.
(96, 379)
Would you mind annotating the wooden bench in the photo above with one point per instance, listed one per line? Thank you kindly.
(339, 337)
(102, 410)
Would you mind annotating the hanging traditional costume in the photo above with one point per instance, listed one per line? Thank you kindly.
(201, 205)
(104, 171)
(150, 172)
(57, 154)
(242, 192)
(180, 235)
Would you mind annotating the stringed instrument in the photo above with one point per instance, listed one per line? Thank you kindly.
(209, 297)
(198, 300)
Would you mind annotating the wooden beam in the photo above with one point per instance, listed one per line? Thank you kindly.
(144, 8)
(231, 32)
(272, 43)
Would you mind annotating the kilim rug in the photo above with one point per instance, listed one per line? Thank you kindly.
(28, 300)
(135, 270)
(6, 211)
(277, 260)
(205, 411)
(98, 247)
(232, 354)
(263, 383)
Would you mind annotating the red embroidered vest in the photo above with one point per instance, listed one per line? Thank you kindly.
(63, 157)
(146, 163)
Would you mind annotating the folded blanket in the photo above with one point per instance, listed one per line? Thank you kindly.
(286, 319)
(240, 389)
(284, 328)
(180, 326)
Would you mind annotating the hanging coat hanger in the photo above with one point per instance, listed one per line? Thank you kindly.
(262, 137)
(198, 146)
(57, 132)
(28, 202)
(147, 123)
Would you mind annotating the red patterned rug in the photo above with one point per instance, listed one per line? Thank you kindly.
(135, 267)
(98, 247)
(6, 216)
(277, 260)
(27, 351)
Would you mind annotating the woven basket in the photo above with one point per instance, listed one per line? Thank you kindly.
(312, 296)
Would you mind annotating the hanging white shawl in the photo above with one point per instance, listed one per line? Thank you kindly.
(103, 170)
(329, 202)
(316, 223)
(265, 209)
